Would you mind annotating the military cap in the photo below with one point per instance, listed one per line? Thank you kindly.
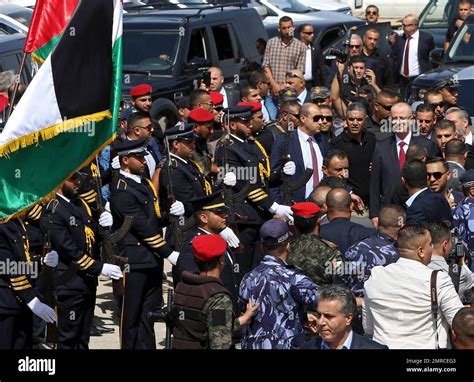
(449, 83)
(305, 209)
(467, 179)
(140, 90)
(200, 116)
(274, 231)
(287, 95)
(213, 202)
(6, 79)
(181, 131)
(79, 176)
(238, 112)
(256, 106)
(183, 102)
(207, 247)
(320, 92)
(131, 148)
(217, 98)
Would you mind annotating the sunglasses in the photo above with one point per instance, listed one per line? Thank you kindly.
(218, 108)
(439, 104)
(308, 33)
(437, 175)
(355, 119)
(386, 107)
(293, 75)
(425, 120)
(355, 46)
(371, 13)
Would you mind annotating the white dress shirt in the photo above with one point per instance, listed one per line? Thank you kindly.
(302, 97)
(308, 162)
(407, 143)
(225, 104)
(308, 67)
(468, 138)
(266, 115)
(397, 306)
(413, 64)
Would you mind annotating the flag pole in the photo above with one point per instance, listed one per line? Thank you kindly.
(17, 84)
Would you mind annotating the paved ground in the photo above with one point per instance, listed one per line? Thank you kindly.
(104, 313)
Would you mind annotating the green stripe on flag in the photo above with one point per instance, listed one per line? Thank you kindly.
(43, 52)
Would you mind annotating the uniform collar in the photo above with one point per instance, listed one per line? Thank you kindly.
(136, 178)
(177, 157)
(63, 197)
(239, 139)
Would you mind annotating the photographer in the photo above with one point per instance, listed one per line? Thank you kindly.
(445, 257)
(346, 84)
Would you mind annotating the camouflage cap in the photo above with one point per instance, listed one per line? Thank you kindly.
(320, 92)
(287, 95)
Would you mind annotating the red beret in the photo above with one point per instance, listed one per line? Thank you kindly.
(305, 209)
(217, 98)
(208, 247)
(200, 116)
(256, 106)
(140, 90)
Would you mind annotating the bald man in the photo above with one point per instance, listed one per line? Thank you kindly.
(340, 230)
(390, 156)
(397, 303)
(411, 54)
(295, 79)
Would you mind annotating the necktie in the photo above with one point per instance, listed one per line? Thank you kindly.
(407, 53)
(314, 159)
(402, 156)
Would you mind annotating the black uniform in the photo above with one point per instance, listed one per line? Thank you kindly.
(143, 248)
(186, 262)
(16, 289)
(73, 235)
(253, 210)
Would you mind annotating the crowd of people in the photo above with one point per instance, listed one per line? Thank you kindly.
(306, 207)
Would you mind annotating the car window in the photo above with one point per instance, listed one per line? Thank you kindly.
(198, 44)
(437, 13)
(224, 43)
(330, 36)
(462, 48)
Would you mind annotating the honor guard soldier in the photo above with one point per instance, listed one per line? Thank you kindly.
(73, 231)
(203, 127)
(202, 315)
(180, 177)
(237, 157)
(210, 214)
(17, 296)
(143, 247)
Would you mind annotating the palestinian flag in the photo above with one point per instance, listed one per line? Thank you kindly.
(50, 17)
(69, 111)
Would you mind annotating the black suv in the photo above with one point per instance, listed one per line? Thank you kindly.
(170, 50)
(456, 65)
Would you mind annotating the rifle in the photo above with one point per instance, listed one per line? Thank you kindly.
(51, 333)
(287, 194)
(108, 248)
(169, 303)
(175, 220)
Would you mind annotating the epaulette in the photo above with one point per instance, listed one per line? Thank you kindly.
(53, 203)
(121, 184)
(162, 162)
(35, 212)
(330, 244)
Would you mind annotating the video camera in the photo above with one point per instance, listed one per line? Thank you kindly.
(459, 248)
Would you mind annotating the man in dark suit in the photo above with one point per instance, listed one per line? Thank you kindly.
(334, 315)
(210, 214)
(410, 54)
(340, 230)
(302, 152)
(390, 156)
(315, 70)
(424, 206)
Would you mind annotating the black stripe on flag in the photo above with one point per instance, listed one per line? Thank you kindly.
(82, 61)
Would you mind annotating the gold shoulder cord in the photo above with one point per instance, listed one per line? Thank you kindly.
(264, 171)
(26, 243)
(207, 185)
(156, 204)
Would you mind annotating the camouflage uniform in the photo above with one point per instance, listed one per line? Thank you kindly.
(219, 318)
(463, 219)
(284, 294)
(360, 258)
(316, 257)
(203, 157)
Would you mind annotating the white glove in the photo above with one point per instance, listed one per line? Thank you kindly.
(177, 208)
(105, 219)
(42, 310)
(230, 179)
(281, 210)
(289, 168)
(173, 258)
(112, 271)
(51, 259)
(228, 235)
(115, 163)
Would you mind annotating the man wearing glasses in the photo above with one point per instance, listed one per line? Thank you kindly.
(315, 70)
(435, 99)
(294, 79)
(410, 54)
(372, 14)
